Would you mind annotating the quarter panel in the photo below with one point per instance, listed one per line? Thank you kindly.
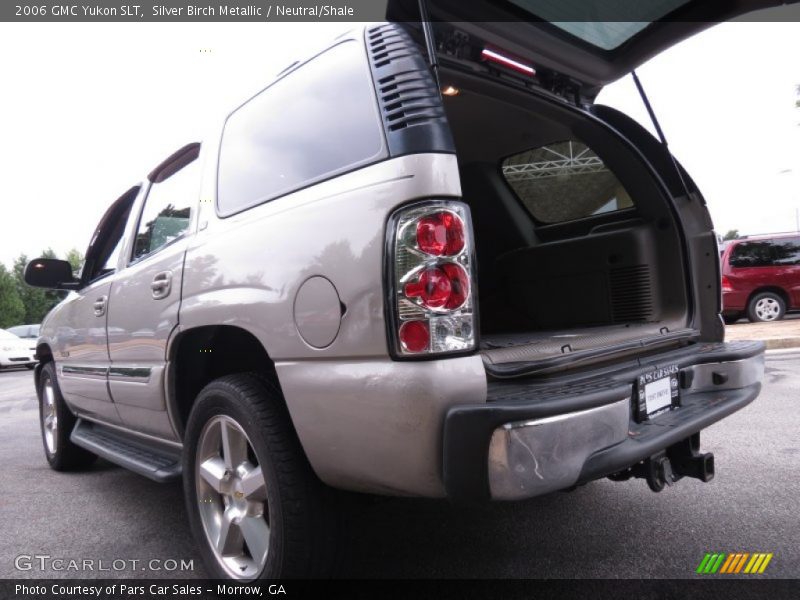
(245, 270)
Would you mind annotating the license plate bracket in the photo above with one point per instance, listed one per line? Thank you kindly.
(657, 392)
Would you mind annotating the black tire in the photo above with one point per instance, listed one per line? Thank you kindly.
(64, 456)
(731, 319)
(30, 367)
(300, 511)
(766, 307)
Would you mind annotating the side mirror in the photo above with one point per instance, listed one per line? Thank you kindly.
(50, 273)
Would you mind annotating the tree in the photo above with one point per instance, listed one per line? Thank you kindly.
(733, 234)
(75, 259)
(36, 301)
(12, 310)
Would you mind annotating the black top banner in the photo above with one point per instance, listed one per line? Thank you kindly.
(567, 11)
(188, 11)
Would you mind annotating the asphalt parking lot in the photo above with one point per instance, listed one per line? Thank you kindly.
(603, 529)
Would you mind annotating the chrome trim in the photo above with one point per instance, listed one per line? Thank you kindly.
(737, 374)
(530, 458)
(132, 432)
(85, 371)
(137, 374)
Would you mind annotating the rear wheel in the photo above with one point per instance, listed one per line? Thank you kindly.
(256, 508)
(56, 422)
(766, 306)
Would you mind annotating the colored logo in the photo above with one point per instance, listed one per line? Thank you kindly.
(736, 562)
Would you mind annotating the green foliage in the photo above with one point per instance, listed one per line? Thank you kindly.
(37, 301)
(12, 309)
(75, 259)
(21, 304)
(733, 234)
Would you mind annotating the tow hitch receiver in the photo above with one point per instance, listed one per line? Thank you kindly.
(683, 459)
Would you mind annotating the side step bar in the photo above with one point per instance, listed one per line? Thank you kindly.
(159, 464)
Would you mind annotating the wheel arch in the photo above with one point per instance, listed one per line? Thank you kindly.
(44, 355)
(204, 353)
(775, 290)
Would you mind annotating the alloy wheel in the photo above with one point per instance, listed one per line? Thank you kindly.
(49, 416)
(232, 498)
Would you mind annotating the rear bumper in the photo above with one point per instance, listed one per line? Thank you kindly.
(531, 439)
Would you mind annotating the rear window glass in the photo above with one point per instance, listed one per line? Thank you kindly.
(597, 22)
(766, 253)
(564, 181)
(316, 122)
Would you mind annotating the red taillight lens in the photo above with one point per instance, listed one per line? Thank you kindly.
(459, 285)
(445, 286)
(726, 284)
(415, 336)
(432, 295)
(441, 234)
(432, 287)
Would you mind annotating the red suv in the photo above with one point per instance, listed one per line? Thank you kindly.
(761, 277)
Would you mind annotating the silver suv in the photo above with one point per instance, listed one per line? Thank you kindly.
(293, 307)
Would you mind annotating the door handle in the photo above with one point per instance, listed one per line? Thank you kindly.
(161, 285)
(100, 306)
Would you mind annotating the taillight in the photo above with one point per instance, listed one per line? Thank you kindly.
(441, 234)
(431, 274)
(726, 284)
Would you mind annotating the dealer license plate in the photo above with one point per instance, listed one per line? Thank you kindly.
(657, 392)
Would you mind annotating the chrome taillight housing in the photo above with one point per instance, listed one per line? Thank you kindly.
(431, 280)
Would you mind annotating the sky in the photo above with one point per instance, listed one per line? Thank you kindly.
(86, 110)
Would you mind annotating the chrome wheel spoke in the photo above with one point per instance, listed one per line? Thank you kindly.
(256, 533)
(254, 487)
(229, 540)
(214, 472)
(234, 446)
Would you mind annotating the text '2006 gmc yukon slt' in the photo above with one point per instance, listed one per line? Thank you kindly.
(294, 306)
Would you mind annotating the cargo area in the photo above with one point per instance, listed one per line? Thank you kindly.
(578, 250)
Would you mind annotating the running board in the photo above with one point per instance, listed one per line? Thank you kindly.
(159, 464)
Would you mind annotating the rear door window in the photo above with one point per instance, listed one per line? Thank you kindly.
(787, 251)
(167, 210)
(564, 181)
(753, 254)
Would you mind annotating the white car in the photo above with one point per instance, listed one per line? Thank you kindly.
(15, 351)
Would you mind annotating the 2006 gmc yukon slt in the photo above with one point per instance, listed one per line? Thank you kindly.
(294, 306)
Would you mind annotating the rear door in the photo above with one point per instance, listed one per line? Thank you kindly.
(787, 267)
(145, 298)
